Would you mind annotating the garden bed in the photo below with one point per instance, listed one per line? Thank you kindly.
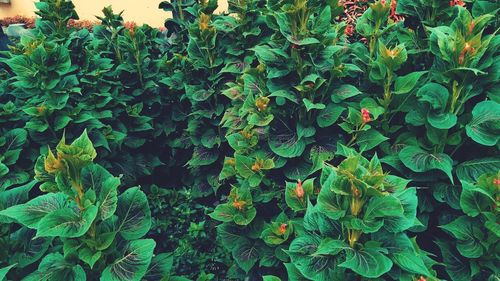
(282, 140)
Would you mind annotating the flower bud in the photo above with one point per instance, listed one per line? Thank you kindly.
(282, 229)
(299, 190)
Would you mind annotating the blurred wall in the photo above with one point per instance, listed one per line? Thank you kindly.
(139, 11)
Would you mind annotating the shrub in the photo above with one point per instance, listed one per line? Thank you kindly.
(264, 118)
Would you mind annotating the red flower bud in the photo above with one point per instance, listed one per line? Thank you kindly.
(471, 26)
(299, 191)
(496, 181)
(282, 229)
(422, 279)
(457, 3)
(365, 115)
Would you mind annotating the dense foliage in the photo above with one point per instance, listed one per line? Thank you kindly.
(310, 142)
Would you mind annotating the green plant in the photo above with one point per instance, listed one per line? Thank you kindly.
(100, 231)
(190, 236)
(248, 116)
(474, 255)
(357, 227)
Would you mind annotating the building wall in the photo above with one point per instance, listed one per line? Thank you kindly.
(139, 11)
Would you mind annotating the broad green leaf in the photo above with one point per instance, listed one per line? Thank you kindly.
(67, 222)
(246, 255)
(33, 249)
(435, 94)
(343, 92)
(314, 267)
(370, 139)
(330, 204)
(383, 206)
(5, 270)
(474, 200)
(409, 201)
(160, 267)
(329, 115)
(293, 273)
(81, 148)
(269, 55)
(469, 236)
(456, 266)
(484, 128)
(105, 185)
(311, 105)
(411, 262)
(203, 157)
(287, 145)
(331, 247)
(14, 139)
(471, 170)
(4, 170)
(442, 120)
(134, 215)
(404, 84)
(13, 197)
(30, 213)
(54, 267)
(419, 160)
(367, 262)
(223, 212)
(133, 264)
(245, 217)
(88, 256)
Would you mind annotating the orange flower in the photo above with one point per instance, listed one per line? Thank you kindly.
(467, 49)
(261, 103)
(204, 21)
(496, 181)
(365, 115)
(422, 279)
(393, 14)
(282, 229)
(231, 162)
(299, 191)
(356, 192)
(247, 135)
(256, 167)
(239, 204)
(349, 30)
(471, 26)
(457, 3)
(41, 109)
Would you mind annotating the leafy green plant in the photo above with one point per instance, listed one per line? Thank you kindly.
(357, 227)
(100, 231)
(474, 254)
(263, 118)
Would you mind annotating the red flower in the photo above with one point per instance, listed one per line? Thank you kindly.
(349, 30)
(365, 115)
(299, 191)
(282, 229)
(422, 279)
(393, 15)
(457, 3)
(496, 181)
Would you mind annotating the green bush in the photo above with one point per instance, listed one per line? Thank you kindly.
(311, 153)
